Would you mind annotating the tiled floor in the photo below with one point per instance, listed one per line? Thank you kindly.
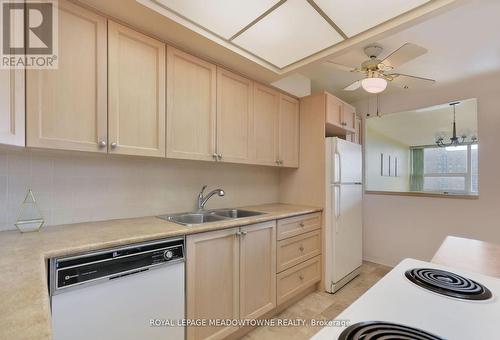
(321, 305)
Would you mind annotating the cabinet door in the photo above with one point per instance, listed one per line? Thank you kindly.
(265, 125)
(358, 136)
(349, 118)
(66, 107)
(191, 106)
(212, 281)
(12, 107)
(136, 93)
(289, 131)
(257, 269)
(334, 107)
(234, 116)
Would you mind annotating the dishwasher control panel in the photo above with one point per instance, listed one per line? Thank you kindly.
(113, 263)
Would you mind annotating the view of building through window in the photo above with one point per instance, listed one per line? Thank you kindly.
(451, 169)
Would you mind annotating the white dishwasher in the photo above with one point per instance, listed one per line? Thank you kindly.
(131, 292)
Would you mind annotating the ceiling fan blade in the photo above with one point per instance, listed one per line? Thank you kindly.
(354, 86)
(409, 82)
(403, 54)
(342, 67)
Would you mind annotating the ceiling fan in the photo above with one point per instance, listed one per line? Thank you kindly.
(378, 72)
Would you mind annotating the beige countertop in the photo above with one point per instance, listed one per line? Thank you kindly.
(24, 299)
(473, 255)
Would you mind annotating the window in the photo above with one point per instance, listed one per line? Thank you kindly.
(451, 169)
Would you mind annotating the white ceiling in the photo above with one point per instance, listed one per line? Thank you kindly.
(421, 127)
(461, 43)
(283, 32)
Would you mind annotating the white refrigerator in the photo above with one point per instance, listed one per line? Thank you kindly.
(343, 215)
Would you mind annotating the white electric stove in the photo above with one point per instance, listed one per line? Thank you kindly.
(439, 302)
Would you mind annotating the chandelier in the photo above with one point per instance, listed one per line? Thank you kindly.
(454, 140)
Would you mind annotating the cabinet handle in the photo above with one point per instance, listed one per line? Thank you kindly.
(278, 162)
(219, 156)
(243, 233)
(102, 144)
(114, 145)
(301, 248)
(238, 233)
(301, 277)
(302, 224)
(215, 156)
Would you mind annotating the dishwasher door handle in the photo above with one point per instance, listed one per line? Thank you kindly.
(131, 272)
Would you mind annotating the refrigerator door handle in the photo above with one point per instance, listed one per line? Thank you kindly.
(337, 206)
(338, 167)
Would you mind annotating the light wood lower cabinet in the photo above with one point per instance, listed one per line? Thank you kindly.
(12, 113)
(66, 108)
(293, 226)
(212, 277)
(191, 106)
(257, 269)
(294, 280)
(230, 274)
(297, 249)
(136, 93)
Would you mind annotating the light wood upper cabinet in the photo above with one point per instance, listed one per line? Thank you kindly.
(265, 125)
(212, 279)
(136, 93)
(340, 117)
(349, 117)
(289, 131)
(12, 113)
(234, 117)
(67, 108)
(334, 110)
(257, 269)
(191, 106)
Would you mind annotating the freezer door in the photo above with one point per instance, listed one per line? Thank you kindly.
(347, 233)
(347, 162)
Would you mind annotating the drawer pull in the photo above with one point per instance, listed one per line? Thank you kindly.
(301, 277)
(302, 224)
(301, 248)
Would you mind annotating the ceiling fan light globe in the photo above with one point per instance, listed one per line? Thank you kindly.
(374, 85)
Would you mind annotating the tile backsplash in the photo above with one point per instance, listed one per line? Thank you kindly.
(72, 187)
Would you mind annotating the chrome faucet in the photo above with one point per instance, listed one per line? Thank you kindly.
(202, 200)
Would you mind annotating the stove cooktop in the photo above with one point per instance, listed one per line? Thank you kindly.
(386, 331)
(396, 299)
(448, 283)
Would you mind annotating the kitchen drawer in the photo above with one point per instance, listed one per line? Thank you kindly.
(297, 225)
(297, 249)
(294, 280)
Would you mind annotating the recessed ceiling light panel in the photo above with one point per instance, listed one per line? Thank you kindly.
(356, 16)
(222, 17)
(291, 32)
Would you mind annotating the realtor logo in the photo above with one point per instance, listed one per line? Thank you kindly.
(29, 34)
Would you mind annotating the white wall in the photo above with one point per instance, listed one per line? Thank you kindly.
(377, 143)
(77, 187)
(396, 227)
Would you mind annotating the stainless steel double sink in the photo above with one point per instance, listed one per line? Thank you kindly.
(199, 217)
